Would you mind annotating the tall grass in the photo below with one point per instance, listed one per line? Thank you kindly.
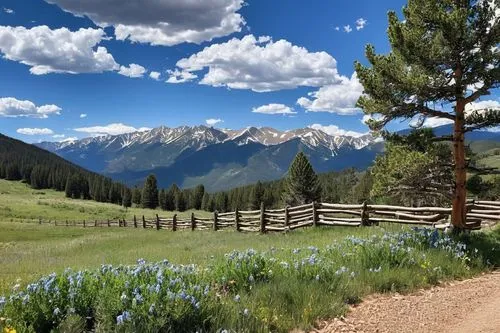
(246, 291)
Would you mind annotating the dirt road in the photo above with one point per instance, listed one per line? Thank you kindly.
(467, 306)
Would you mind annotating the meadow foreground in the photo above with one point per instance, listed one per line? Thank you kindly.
(272, 282)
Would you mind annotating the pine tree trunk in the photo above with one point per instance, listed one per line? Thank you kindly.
(459, 211)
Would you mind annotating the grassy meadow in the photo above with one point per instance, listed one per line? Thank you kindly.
(19, 202)
(71, 279)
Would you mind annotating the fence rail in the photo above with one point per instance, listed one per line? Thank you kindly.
(309, 215)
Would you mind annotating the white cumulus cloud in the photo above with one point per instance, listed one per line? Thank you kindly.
(133, 71)
(337, 131)
(155, 75)
(35, 131)
(347, 28)
(213, 121)
(111, 129)
(259, 64)
(12, 107)
(83, 115)
(337, 98)
(274, 108)
(177, 76)
(360, 23)
(480, 106)
(8, 10)
(161, 22)
(57, 51)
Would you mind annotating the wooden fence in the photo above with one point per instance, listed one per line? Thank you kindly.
(314, 214)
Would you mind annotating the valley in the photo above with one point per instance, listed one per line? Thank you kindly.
(217, 158)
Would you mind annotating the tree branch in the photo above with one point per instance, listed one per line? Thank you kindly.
(434, 113)
(475, 95)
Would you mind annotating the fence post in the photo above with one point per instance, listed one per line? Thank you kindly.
(124, 222)
(193, 222)
(143, 222)
(262, 218)
(135, 221)
(216, 219)
(55, 223)
(287, 216)
(365, 217)
(95, 223)
(66, 222)
(174, 222)
(39, 221)
(157, 222)
(237, 219)
(314, 214)
(84, 224)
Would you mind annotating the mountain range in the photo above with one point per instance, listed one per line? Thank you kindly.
(218, 158)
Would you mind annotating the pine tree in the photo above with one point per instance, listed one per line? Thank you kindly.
(162, 199)
(69, 187)
(127, 198)
(150, 193)
(180, 201)
(444, 53)
(257, 196)
(302, 184)
(205, 202)
(199, 191)
(136, 196)
(173, 193)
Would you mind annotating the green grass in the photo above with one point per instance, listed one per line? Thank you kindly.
(28, 250)
(19, 202)
(282, 300)
(279, 300)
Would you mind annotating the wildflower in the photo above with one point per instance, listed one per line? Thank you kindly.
(152, 309)
(246, 312)
(56, 312)
(317, 277)
(237, 298)
(251, 279)
(141, 261)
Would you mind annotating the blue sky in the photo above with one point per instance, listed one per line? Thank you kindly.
(226, 57)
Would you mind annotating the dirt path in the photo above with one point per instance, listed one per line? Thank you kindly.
(460, 307)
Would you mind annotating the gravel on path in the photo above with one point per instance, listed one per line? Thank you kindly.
(468, 306)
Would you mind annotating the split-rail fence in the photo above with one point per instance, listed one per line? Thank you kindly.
(313, 214)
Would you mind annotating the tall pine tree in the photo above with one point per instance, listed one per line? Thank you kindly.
(150, 193)
(444, 57)
(162, 199)
(257, 196)
(127, 197)
(302, 184)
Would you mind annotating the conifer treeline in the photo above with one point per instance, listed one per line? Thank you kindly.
(43, 170)
(346, 186)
